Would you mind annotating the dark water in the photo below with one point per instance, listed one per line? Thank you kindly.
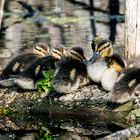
(69, 22)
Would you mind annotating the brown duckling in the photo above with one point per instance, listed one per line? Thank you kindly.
(19, 63)
(71, 72)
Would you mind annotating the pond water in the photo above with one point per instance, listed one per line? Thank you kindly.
(69, 22)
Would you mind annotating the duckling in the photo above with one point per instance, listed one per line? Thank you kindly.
(125, 86)
(71, 72)
(19, 63)
(116, 64)
(27, 79)
(98, 63)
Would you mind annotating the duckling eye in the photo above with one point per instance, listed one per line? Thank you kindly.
(72, 74)
(38, 48)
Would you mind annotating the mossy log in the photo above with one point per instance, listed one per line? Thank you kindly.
(87, 102)
(85, 107)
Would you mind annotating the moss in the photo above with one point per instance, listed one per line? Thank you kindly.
(133, 117)
(125, 107)
(4, 111)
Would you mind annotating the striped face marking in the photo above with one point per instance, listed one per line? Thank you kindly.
(56, 53)
(40, 51)
(104, 48)
(76, 55)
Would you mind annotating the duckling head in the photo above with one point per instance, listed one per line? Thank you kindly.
(102, 49)
(58, 51)
(116, 65)
(95, 40)
(77, 53)
(41, 49)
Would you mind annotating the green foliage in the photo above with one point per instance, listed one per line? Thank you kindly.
(45, 85)
(46, 136)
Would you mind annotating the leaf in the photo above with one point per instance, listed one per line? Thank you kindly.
(45, 83)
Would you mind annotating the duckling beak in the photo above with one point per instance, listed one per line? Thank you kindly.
(95, 57)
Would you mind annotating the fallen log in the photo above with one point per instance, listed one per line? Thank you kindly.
(85, 107)
(89, 101)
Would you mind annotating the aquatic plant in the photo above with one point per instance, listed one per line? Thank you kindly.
(45, 85)
(46, 136)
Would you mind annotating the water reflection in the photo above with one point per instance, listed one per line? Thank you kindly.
(69, 22)
(53, 127)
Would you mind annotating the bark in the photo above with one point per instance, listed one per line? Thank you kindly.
(1, 11)
(132, 133)
(132, 32)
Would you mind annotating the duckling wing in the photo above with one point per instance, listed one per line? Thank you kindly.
(18, 64)
(7, 82)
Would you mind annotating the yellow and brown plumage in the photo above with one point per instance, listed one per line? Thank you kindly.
(116, 64)
(98, 63)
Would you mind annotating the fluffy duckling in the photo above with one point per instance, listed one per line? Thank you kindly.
(98, 63)
(127, 86)
(28, 78)
(116, 64)
(71, 72)
(19, 63)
